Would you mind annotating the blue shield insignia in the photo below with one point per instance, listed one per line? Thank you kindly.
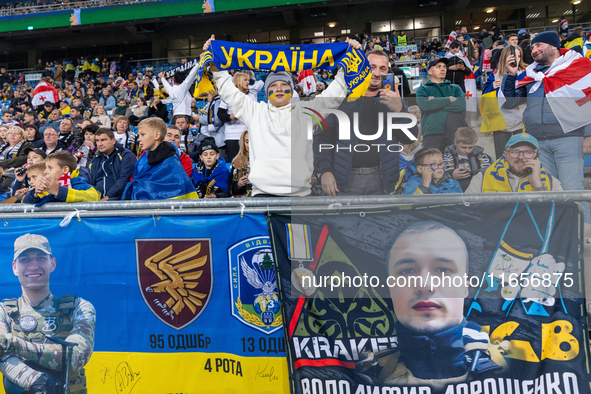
(255, 300)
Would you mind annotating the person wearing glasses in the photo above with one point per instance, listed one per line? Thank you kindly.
(517, 170)
(51, 141)
(431, 177)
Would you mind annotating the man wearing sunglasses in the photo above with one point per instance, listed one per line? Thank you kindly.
(517, 170)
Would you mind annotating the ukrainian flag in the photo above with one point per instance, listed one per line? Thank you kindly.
(162, 181)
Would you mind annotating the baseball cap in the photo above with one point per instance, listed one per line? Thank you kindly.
(522, 137)
(434, 60)
(31, 241)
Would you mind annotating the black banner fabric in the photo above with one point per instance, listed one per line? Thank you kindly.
(458, 299)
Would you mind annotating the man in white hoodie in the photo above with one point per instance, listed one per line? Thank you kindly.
(281, 155)
(179, 93)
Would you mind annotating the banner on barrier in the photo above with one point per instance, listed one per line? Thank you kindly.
(183, 304)
(477, 299)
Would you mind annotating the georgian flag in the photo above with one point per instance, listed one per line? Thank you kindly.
(452, 36)
(471, 98)
(567, 84)
(463, 57)
(44, 92)
(308, 81)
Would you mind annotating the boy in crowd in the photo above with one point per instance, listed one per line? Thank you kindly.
(22, 182)
(464, 159)
(158, 174)
(62, 182)
(211, 176)
(7, 119)
(34, 174)
(431, 177)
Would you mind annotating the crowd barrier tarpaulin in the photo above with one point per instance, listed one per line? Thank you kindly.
(451, 299)
(184, 304)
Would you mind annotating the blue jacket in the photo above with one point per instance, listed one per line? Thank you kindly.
(538, 118)
(340, 163)
(159, 175)
(488, 86)
(80, 191)
(110, 104)
(445, 185)
(55, 125)
(110, 174)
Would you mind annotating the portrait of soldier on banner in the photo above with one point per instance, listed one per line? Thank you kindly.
(431, 301)
(45, 340)
(436, 344)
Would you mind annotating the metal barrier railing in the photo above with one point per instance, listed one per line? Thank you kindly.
(159, 208)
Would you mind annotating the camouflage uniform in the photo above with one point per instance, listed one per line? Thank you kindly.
(29, 354)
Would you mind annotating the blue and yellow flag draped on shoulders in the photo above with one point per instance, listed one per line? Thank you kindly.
(162, 181)
(291, 58)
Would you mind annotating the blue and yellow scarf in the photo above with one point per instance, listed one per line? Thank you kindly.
(291, 58)
(496, 180)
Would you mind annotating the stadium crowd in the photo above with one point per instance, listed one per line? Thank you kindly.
(109, 134)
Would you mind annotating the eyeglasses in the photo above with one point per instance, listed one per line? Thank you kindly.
(50, 134)
(527, 154)
(434, 166)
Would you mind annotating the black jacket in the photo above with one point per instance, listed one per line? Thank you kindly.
(60, 146)
(340, 162)
(457, 76)
(110, 174)
(160, 111)
(405, 88)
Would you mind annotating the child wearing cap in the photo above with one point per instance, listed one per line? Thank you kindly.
(210, 175)
(158, 174)
(281, 157)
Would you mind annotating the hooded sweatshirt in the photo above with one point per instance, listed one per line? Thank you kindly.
(281, 159)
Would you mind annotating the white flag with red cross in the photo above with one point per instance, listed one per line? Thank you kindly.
(307, 79)
(44, 92)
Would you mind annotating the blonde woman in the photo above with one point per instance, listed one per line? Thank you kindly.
(234, 128)
(239, 185)
(493, 83)
(100, 117)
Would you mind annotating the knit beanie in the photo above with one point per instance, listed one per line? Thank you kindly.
(547, 37)
(278, 76)
(208, 143)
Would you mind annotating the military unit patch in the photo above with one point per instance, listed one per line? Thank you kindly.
(255, 300)
(175, 277)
